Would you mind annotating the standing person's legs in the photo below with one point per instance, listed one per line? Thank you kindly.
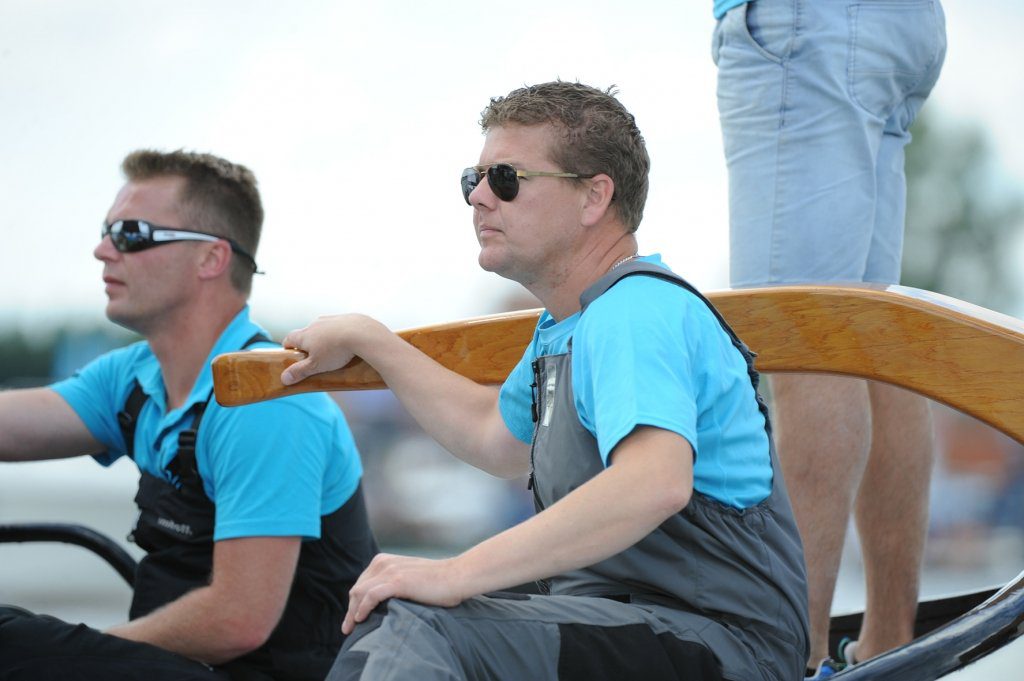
(814, 110)
(891, 509)
(802, 192)
(823, 426)
(822, 429)
(892, 516)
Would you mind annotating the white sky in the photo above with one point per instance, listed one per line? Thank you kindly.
(358, 118)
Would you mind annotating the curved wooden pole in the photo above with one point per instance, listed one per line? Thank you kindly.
(484, 349)
(965, 356)
(962, 355)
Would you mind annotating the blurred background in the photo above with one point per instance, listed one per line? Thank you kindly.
(357, 118)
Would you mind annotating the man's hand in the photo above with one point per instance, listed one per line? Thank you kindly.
(461, 415)
(432, 582)
(601, 517)
(328, 344)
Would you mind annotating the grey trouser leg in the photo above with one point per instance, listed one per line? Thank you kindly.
(516, 637)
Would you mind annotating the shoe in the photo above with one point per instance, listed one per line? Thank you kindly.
(846, 650)
(826, 668)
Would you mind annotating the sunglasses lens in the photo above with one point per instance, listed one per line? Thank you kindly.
(501, 177)
(470, 179)
(128, 236)
(504, 181)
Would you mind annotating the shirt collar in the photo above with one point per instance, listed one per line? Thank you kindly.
(234, 336)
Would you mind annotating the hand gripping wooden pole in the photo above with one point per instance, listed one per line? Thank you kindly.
(484, 349)
(967, 357)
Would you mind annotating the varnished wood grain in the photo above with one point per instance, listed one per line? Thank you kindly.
(965, 356)
(483, 348)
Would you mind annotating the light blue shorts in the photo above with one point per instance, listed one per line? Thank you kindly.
(816, 98)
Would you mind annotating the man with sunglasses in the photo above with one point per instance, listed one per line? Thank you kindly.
(664, 538)
(252, 519)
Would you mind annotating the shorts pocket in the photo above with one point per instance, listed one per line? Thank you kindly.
(767, 26)
(893, 48)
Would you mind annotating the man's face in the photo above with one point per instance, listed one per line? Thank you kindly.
(530, 236)
(147, 286)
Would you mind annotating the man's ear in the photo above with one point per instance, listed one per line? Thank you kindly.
(215, 259)
(598, 198)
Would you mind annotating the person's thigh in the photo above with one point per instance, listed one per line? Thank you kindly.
(919, 48)
(517, 638)
(39, 647)
(801, 143)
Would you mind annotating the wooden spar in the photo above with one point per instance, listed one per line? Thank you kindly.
(965, 356)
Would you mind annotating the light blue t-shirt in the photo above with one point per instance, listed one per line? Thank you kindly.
(723, 6)
(648, 352)
(271, 468)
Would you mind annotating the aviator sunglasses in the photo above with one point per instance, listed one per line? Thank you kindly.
(132, 236)
(504, 179)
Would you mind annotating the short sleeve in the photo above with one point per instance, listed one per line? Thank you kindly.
(632, 362)
(515, 400)
(268, 467)
(97, 393)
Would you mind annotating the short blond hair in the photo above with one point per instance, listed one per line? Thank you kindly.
(219, 197)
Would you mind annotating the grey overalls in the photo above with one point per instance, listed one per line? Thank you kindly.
(710, 578)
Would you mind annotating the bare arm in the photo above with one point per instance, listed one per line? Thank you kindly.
(461, 415)
(37, 423)
(236, 613)
(651, 478)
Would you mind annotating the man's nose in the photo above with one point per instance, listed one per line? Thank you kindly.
(482, 194)
(105, 249)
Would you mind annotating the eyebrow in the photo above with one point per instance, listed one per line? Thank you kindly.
(516, 164)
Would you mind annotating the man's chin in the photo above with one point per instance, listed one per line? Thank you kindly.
(489, 263)
(122, 318)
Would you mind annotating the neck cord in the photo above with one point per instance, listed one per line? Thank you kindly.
(624, 260)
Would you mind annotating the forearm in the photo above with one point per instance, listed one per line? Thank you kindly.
(460, 414)
(610, 513)
(236, 613)
(38, 424)
(198, 625)
(587, 526)
(597, 520)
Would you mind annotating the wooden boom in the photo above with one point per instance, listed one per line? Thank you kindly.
(965, 356)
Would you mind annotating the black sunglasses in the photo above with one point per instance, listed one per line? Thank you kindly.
(132, 236)
(504, 179)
